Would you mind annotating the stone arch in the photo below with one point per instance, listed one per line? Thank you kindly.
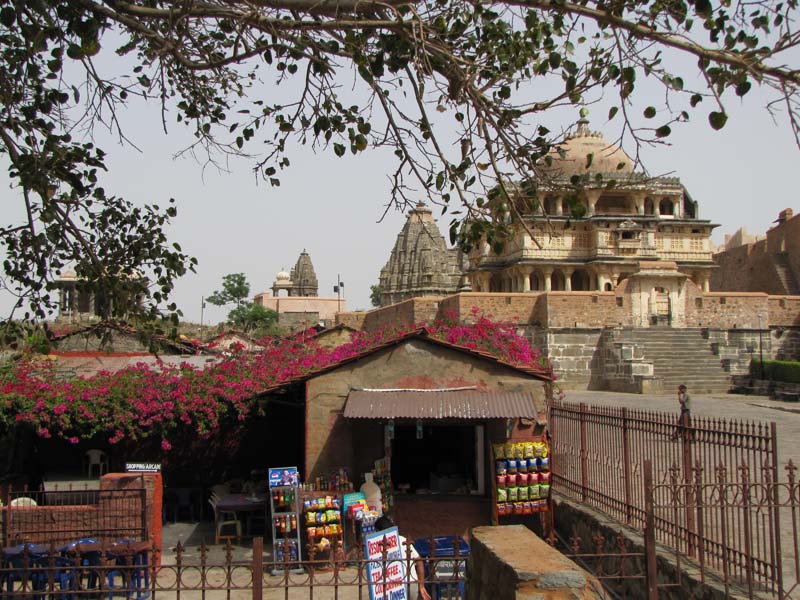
(666, 207)
(558, 281)
(496, 283)
(608, 287)
(649, 206)
(537, 281)
(581, 280)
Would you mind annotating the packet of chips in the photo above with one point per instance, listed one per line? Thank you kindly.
(522, 493)
(508, 449)
(532, 465)
(544, 477)
(513, 494)
(518, 508)
(527, 508)
(502, 494)
(544, 490)
(534, 491)
(528, 450)
(538, 449)
(501, 481)
(543, 464)
(519, 450)
(533, 478)
(511, 479)
(500, 467)
(522, 479)
(499, 451)
(511, 466)
(501, 509)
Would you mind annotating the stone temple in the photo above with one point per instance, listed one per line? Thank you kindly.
(420, 263)
(610, 282)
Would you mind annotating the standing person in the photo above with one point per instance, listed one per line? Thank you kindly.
(685, 402)
(417, 573)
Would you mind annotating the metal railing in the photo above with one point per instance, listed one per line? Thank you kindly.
(89, 571)
(66, 514)
(711, 486)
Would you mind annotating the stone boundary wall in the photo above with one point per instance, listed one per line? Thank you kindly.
(585, 309)
(725, 310)
(576, 520)
(510, 562)
(784, 311)
(517, 308)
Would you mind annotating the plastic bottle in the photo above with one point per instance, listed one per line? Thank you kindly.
(372, 493)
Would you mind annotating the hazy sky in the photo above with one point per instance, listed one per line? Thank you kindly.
(741, 176)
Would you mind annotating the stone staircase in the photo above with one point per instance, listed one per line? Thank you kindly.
(784, 273)
(679, 356)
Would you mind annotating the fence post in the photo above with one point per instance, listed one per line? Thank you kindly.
(651, 564)
(776, 501)
(258, 568)
(687, 436)
(584, 454)
(626, 466)
(748, 545)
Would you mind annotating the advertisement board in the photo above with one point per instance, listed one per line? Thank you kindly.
(387, 579)
(283, 476)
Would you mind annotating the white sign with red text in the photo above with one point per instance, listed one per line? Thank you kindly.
(387, 578)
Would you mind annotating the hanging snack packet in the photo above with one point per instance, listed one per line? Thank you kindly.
(513, 494)
(538, 449)
(518, 508)
(509, 449)
(501, 481)
(544, 477)
(511, 466)
(534, 492)
(522, 494)
(545, 490)
(511, 480)
(522, 479)
(519, 450)
(529, 450)
(532, 465)
(500, 467)
(543, 464)
(533, 478)
(501, 510)
(502, 494)
(527, 508)
(499, 451)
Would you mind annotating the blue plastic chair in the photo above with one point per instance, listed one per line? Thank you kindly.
(23, 562)
(136, 571)
(67, 576)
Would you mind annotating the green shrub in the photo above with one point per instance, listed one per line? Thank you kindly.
(777, 370)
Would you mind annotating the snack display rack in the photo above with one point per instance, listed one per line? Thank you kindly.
(521, 485)
(285, 511)
(324, 527)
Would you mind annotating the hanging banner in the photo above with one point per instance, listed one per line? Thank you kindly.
(387, 579)
(283, 477)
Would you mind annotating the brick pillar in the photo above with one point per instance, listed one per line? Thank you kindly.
(121, 510)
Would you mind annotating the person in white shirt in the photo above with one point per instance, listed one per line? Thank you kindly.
(417, 573)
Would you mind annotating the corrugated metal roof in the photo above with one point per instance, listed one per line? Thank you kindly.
(440, 404)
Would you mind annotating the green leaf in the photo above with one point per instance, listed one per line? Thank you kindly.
(613, 112)
(717, 120)
(663, 131)
(649, 112)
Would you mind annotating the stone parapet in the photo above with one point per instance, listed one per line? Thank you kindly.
(512, 563)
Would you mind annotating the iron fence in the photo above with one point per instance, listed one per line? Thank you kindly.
(711, 492)
(138, 571)
(66, 514)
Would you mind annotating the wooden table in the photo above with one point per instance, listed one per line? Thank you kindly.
(244, 503)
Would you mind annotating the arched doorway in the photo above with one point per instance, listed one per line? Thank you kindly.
(665, 207)
(537, 281)
(496, 283)
(581, 281)
(558, 281)
(662, 312)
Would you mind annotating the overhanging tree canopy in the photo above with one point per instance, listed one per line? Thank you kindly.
(455, 87)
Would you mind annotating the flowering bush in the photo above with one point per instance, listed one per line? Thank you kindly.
(168, 403)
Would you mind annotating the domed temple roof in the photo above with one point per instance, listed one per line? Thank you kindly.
(586, 151)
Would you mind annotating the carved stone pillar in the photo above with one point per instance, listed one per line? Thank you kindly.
(568, 279)
(592, 196)
(548, 279)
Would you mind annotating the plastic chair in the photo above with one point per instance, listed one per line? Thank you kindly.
(96, 458)
(22, 566)
(23, 501)
(223, 519)
(67, 578)
(181, 499)
(135, 570)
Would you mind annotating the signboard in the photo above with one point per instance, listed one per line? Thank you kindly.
(283, 476)
(387, 580)
(142, 467)
(354, 498)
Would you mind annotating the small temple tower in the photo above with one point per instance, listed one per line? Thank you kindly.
(421, 264)
(302, 281)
